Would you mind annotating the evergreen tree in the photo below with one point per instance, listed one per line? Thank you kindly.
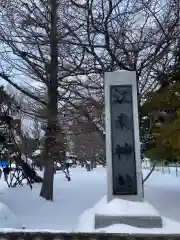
(162, 109)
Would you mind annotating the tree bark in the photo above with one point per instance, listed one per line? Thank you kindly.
(52, 109)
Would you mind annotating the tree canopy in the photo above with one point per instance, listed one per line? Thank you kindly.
(163, 110)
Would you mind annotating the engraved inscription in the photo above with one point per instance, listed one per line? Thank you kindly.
(123, 121)
(127, 180)
(120, 96)
(123, 149)
(120, 180)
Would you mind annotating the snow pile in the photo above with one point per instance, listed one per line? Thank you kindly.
(36, 153)
(86, 221)
(58, 164)
(69, 161)
(8, 219)
(119, 207)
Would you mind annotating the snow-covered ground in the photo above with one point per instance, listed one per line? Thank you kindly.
(119, 207)
(71, 199)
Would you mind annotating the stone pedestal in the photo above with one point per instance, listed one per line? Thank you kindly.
(136, 214)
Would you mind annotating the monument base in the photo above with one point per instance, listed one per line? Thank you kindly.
(136, 214)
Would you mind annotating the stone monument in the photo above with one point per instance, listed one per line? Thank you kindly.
(124, 176)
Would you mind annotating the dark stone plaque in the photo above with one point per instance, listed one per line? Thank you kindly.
(123, 147)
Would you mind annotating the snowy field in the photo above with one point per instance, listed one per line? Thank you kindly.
(83, 192)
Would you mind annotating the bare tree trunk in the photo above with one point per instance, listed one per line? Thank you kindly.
(50, 152)
(150, 172)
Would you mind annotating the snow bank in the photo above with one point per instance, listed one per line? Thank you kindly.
(8, 219)
(119, 207)
(86, 220)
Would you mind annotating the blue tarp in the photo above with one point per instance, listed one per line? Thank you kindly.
(3, 163)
